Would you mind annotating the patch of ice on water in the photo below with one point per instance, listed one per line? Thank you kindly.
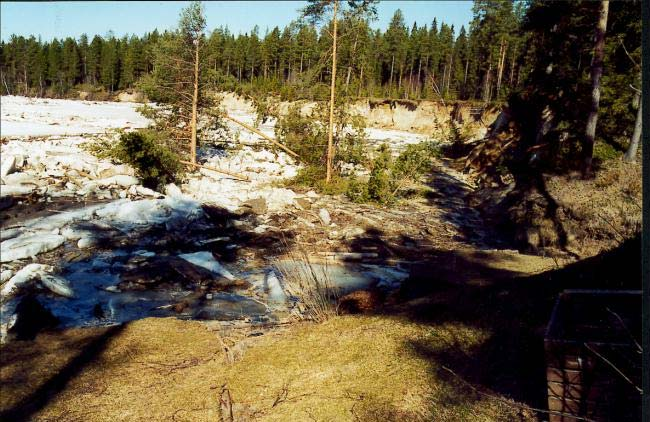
(206, 260)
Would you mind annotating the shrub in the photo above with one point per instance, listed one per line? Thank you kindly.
(154, 163)
(415, 160)
(145, 150)
(380, 187)
(357, 190)
(307, 136)
(604, 152)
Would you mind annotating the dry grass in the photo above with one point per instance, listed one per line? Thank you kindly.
(345, 369)
(312, 285)
(601, 213)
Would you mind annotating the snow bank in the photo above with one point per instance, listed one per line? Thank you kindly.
(27, 246)
(23, 116)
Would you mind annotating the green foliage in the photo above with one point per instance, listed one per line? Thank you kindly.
(154, 163)
(145, 150)
(313, 177)
(304, 135)
(388, 176)
(380, 184)
(415, 161)
(357, 190)
(604, 152)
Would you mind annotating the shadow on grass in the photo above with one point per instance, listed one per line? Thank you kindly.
(473, 289)
(37, 399)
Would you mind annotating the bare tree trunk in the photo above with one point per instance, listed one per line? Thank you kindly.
(512, 65)
(451, 64)
(195, 101)
(390, 84)
(596, 73)
(352, 60)
(330, 137)
(465, 78)
(301, 54)
(399, 82)
(360, 81)
(419, 87)
(630, 154)
(502, 61)
(486, 83)
(4, 81)
(444, 80)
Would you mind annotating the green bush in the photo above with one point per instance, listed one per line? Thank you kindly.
(387, 177)
(146, 152)
(380, 186)
(415, 160)
(154, 163)
(357, 190)
(604, 152)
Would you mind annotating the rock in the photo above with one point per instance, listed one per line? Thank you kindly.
(333, 235)
(324, 216)
(256, 205)
(303, 203)
(353, 232)
(7, 165)
(312, 194)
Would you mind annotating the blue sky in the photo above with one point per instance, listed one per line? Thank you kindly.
(62, 19)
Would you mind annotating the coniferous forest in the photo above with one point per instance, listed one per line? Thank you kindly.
(419, 60)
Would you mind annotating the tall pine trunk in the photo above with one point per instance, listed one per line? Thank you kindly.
(390, 84)
(330, 137)
(195, 100)
(596, 73)
(352, 60)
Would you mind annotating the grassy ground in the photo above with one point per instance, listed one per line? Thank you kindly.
(365, 367)
(480, 314)
(349, 368)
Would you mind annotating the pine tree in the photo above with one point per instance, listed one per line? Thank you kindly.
(177, 83)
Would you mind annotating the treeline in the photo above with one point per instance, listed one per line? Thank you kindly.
(430, 60)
